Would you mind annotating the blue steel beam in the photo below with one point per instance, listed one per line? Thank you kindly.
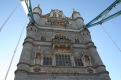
(105, 12)
(30, 14)
(28, 9)
(105, 19)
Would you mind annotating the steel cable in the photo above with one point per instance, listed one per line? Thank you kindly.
(111, 38)
(8, 18)
(14, 51)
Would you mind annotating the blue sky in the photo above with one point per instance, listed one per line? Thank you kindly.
(88, 9)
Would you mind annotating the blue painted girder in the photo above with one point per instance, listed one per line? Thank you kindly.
(101, 17)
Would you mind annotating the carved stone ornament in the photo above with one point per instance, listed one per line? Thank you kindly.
(90, 70)
(36, 68)
(57, 21)
(37, 58)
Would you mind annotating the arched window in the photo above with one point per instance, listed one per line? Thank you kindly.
(77, 41)
(47, 60)
(78, 61)
(63, 60)
(43, 38)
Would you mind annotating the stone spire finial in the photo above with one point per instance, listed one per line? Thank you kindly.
(74, 10)
(38, 5)
(38, 9)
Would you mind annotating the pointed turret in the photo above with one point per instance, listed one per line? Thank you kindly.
(37, 10)
(75, 14)
(78, 19)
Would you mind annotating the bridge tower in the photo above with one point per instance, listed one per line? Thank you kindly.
(57, 47)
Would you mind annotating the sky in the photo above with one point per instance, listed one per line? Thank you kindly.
(89, 9)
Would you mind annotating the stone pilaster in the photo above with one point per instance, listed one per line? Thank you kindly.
(97, 62)
(41, 62)
(72, 61)
(95, 56)
(54, 60)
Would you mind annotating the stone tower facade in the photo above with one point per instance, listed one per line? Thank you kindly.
(57, 47)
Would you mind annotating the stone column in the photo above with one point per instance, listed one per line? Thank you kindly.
(85, 34)
(53, 60)
(97, 62)
(37, 59)
(24, 63)
(26, 53)
(41, 62)
(72, 61)
(95, 56)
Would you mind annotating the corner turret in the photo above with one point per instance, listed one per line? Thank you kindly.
(78, 19)
(37, 10)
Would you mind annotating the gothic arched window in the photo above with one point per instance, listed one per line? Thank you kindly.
(63, 60)
(43, 38)
(77, 41)
(47, 60)
(78, 61)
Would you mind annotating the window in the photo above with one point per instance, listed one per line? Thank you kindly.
(77, 41)
(63, 60)
(86, 58)
(78, 62)
(47, 61)
(43, 38)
